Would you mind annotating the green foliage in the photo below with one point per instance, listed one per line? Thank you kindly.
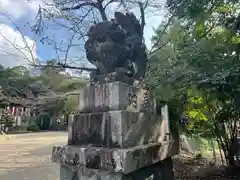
(199, 155)
(50, 91)
(196, 110)
(17, 86)
(6, 120)
(164, 71)
(70, 104)
(197, 70)
(33, 128)
(69, 84)
(59, 83)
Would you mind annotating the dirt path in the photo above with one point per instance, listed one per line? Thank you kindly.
(28, 156)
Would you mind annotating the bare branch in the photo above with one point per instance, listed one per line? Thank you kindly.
(6, 53)
(27, 47)
(64, 66)
(143, 23)
(81, 14)
(68, 48)
(15, 47)
(102, 11)
(37, 28)
(153, 50)
(151, 54)
(98, 6)
(79, 6)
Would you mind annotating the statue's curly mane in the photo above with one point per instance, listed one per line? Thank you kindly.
(114, 44)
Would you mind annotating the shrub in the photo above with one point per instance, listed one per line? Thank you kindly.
(199, 155)
(7, 120)
(33, 128)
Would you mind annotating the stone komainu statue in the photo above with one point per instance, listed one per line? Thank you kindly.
(117, 45)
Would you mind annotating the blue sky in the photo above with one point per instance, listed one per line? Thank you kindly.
(22, 13)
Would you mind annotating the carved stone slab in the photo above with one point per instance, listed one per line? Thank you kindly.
(116, 96)
(114, 160)
(115, 129)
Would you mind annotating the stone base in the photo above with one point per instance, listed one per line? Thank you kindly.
(116, 96)
(162, 170)
(114, 160)
(115, 129)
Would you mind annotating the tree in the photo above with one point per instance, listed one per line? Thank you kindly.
(201, 56)
(49, 90)
(77, 17)
(61, 87)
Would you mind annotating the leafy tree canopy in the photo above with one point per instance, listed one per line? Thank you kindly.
(52, 90)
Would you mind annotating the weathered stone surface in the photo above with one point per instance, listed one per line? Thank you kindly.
(111, 77)
(70, 122)
(115, 160)
(116, 96)
(115, 129)
(67, 173)
(159, 171)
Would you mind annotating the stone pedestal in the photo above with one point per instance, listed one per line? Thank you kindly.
(116, 135)
(158, 171)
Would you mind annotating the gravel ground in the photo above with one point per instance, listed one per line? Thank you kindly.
(28, 156)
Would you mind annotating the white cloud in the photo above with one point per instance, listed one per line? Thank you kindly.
(13, 51)
(19, 8)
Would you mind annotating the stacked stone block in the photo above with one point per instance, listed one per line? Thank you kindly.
(117, 134)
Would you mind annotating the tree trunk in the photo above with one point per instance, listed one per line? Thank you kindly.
(102, 12)
(214, 151)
